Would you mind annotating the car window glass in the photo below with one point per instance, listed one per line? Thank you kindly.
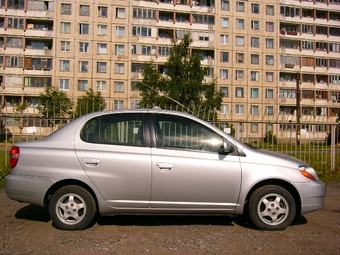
(181, 133)
(116, 129)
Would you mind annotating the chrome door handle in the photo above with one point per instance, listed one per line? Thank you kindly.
(165, 166)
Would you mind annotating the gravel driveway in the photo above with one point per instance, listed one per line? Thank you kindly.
(27, 229)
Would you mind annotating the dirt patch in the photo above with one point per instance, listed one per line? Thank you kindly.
(27, 229)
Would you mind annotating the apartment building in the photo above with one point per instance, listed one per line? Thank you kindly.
(274, 60)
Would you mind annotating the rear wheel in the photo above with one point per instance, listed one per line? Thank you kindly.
(271, 208)
(72, 208)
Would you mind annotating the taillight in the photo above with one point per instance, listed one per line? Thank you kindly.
(14, 156)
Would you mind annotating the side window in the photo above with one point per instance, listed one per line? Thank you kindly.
(181, 133)
(115, 129)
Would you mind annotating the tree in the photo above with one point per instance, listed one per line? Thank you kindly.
(183, 85)
(90, 102)
(54, 104)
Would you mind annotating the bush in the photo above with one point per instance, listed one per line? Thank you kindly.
(270, 137)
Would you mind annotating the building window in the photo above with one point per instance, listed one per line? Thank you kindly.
(64, 65)
(254, 110)
(14, 23)
(224, 74)
(84, 47)
(224, 109)
(240, 23)
(14, 61)
(83, 66)
(269, 93)
(255, 42)
(270, 60)
(270, 110)
(240, 40)
(102, 29)
(119, 86)
(14, 42)
(84, 29)
(224, 56)
(254, 75)
(254, 128)
(119, 49)
(225, 22)
(65, 46)
(64, 84)
(225, 91)
(255, 25)
(239, 109)
(101, 86)
(225, 5)
(255, 59)
(120, 13)
(224, 39)
(102, 11)
(135, 104)
(144, 13)
(83, 85)
(240, 7)
(66, 9)
(239, 74)
(270, 43)
(164, 50)
(84, 10)
(270, 26)
(102, 48)
(65, 27)
(255, 8)
(270, 10)
(120, 31)
(141, 31)
(269, 76)
(240, 57)
(239, 92)
(254, 93)
(101, 67)
(118, 104)
(119, 68)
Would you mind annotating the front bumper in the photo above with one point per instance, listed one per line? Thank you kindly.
(312, 195)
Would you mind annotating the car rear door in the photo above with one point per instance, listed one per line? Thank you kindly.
(116, 157)
(189, 172)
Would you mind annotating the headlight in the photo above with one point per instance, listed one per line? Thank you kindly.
(308, 172)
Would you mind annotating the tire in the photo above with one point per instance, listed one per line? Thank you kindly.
(271, 208)
(79, 200)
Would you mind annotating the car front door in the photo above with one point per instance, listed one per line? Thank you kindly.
(189, 170)
(113, 152)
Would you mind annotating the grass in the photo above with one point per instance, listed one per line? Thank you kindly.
(4, 167)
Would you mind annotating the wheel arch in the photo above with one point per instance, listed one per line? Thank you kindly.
(284, 184)
(64, 183)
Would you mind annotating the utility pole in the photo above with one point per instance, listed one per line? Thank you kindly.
(298, 113)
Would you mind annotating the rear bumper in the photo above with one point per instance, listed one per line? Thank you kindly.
(312, 195)
(27, 189)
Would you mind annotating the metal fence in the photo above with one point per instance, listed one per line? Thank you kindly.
(316, 144)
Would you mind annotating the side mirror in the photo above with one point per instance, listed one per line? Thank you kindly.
(227, 148)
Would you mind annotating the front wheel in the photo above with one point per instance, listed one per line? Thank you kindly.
(271, 208)
(72, 208)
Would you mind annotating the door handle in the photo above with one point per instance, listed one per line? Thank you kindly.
(91, 161)
(165, 166)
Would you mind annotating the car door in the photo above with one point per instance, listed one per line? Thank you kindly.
(116, 157)
(189, 171)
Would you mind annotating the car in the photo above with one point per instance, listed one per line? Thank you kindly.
(156, 161)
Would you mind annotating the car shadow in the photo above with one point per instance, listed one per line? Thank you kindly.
(33, 213)
(41, 214)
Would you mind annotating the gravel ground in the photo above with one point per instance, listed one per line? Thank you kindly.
(27, 229)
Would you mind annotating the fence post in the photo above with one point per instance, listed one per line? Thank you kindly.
(333, 155)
